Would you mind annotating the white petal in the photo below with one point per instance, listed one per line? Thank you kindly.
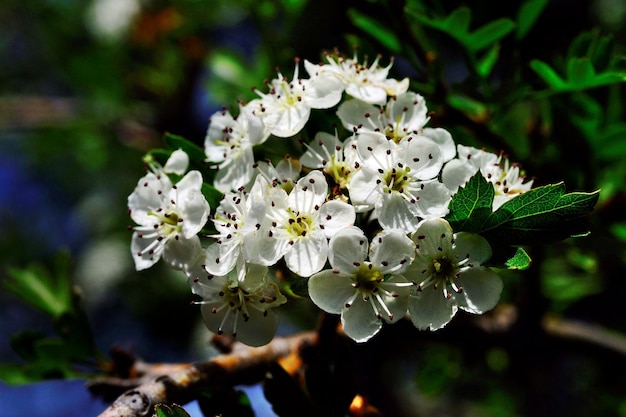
(422, 155)
(434, 199)
(221, 258)
(287, 121)
(262, 249)
(433, 238)
(367, 93)
(456, 173)
(330, 291)
(236, 171)
(323, 91)
(178, 253)
(443, 138)
(481, 290)
(410, 110)
(310, 192)
(363, 190)
(335, 215)
(177, 163)
(376, 151)
(194, 210)
(359, 321)
(319, 150)
(472, 246)
(399, 303)
(308, 255)
(144, 258)
(347, 249)
(352, 114)
(394, 212)
(429, 309)
(259, 329)
(392, 251)
(148, 196)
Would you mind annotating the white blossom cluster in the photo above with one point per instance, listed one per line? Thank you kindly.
(390, 174)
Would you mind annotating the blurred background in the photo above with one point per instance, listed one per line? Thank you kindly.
(88, 86)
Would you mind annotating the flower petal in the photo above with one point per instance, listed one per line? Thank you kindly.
(391, 251)
(359, 320)
(335, 215)
(433, 237)
(347, 249)
(472, 246)
(308, 254)
(481, 290)
(330, 291)
(429, 309)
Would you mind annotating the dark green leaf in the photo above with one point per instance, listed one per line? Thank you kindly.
(375, 29)
(580, 72)
(550, 76)
(458, 22)
(540, 215)
(527, 15)
(212, 195)
(489, 34)
(471, 205)
(225, 401)
(163, 410)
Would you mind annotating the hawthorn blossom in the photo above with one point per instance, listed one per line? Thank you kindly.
(448, 271)
(366, 83)
(238, 304)
(338, 160)
(169, 217)
(284, 175)
(229, 142)
(238, 221)
(365, 292)
(301, 223)
(506, 178)
(399, 180)
(286, 108)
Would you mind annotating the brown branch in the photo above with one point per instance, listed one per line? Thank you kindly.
(244, 365)
(586, 332)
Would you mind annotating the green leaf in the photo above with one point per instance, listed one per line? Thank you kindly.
(195, 152)
(520, 260)
(488, 60)
(458, 22)
(489, 34)
(527, 15)
(539, 215)
(471, 205)
(42, 290)
(213, 195)
(163, 410)
(550, 76)
(473, 109)
(580, 71)
(378, 31)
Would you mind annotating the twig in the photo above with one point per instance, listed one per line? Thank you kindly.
(587, 332)
(244, 365)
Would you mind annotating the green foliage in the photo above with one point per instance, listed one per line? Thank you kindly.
(457, 25)
(527, 15)
(49, 357)
(225, 401)
(540, 215)
(163, 410)
(370, 25)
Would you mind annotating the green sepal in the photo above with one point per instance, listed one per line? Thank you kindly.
(163, 410)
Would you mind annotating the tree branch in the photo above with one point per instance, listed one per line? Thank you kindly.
(243, 365)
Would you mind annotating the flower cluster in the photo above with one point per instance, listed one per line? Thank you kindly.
(360, 213)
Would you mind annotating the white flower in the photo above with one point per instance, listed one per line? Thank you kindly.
(301, 224)
(448, 271)
(398, 180)
(286, 108)
(338, 160)
(238, 221)
(229, 141)
(365, 293)
(239, 304)
(169, 218)
(284, 175)
(507, 180)
(366, 83)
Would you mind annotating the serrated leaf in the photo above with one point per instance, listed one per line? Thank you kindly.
(539, 215)
(489, 34)
(471, 205)
(527, 15)
(520, 260)
(163, 410)
(373, 27)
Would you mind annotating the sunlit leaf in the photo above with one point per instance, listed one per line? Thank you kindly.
(550, 76)
(473, 109)
(520, 260)
(471, 205)
(487, 61)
